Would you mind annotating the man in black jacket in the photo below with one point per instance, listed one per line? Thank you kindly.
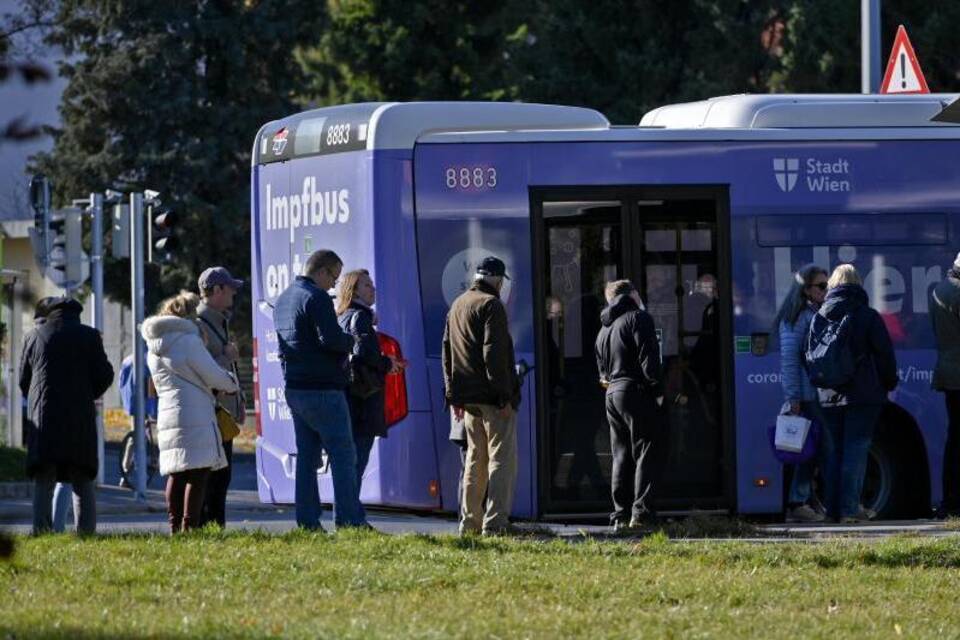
(945, 313)
(628, 359)
(63, 371)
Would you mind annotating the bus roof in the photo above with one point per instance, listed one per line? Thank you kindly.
(797, 111)
(395, 125)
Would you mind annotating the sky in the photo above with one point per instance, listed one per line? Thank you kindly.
(39, 103)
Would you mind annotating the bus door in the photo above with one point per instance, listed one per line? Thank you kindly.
(672, 243)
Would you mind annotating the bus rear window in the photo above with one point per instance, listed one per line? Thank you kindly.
(859, 229)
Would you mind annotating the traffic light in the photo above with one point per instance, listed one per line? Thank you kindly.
(66, 245)
(163, 239)
(40, 201)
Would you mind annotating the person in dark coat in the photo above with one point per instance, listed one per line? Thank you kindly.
(313, 354)
(63, 371)
(356, 317)
(851, 414)
(944, 307)
(628, 359)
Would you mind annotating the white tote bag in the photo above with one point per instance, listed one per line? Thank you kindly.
(791, 433)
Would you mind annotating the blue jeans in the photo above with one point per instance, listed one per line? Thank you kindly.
(848, 435)
(84, 501)
(61, 506)
(363, 444)
(802, 482)
(321, 420)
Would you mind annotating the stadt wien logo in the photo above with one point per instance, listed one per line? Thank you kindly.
(786, 170)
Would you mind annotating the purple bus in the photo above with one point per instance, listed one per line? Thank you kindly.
(708, 206)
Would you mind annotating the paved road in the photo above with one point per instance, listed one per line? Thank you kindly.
(118, 511)
(244, 470)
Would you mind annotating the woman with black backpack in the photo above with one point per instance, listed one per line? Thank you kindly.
(368, 366)
(850, 357)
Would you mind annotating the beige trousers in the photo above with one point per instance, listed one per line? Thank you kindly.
(490, 468)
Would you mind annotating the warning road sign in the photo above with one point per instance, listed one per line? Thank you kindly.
(903, 69)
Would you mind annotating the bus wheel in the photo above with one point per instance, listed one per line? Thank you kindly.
(880, 483)
(896, 484)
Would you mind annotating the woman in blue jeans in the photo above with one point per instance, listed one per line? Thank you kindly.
(852, 412)
(356, 317)
(793, 321)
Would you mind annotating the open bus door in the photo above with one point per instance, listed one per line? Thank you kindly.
(673, 243)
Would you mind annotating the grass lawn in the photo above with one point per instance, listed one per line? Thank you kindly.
(360, 585)
(12, 464)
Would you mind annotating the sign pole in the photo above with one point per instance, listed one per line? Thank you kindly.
(96, 274)
(869, 46)
(136, 300)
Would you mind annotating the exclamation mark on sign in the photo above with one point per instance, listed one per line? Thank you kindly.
(903, 70)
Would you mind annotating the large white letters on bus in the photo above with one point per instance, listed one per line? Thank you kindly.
(308, 208)
(287, 213)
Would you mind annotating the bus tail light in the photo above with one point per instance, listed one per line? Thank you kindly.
(395, 387)
(256, 388)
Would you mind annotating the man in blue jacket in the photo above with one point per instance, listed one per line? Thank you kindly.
(313, 353)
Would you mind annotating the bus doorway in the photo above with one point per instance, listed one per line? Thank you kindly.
(672, 243)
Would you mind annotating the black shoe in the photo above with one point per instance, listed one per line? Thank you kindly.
(942, 513)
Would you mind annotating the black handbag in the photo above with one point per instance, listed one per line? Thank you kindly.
(364, 380)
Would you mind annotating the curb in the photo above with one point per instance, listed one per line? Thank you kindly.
(16, 490)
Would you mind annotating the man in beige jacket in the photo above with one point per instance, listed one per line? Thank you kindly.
(217, 289)
(483, 388)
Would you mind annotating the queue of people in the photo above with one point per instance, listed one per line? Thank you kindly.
(837, 367)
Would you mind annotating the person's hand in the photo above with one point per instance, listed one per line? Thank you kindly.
(231, 351)
(458, 413)
(397, 364)
(505, 411)
(794, 408)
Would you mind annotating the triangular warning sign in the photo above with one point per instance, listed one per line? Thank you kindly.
(903, 69)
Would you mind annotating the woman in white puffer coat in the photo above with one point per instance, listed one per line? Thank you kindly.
(185, 375)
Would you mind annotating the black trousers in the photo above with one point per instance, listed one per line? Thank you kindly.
(951, 453)
(635, 431)
(215, 503)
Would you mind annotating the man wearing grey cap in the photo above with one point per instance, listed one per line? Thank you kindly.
(944, 307)
(483, 388)
(217, 290)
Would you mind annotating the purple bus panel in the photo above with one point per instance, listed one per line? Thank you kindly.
(327, 202)
(888, 207)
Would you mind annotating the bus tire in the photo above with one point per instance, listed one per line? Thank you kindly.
(896, 484)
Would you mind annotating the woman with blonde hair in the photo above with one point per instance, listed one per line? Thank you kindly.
(851, 411)
(368, 365)
(185, 376)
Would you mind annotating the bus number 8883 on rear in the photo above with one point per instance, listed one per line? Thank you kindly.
(475, 178)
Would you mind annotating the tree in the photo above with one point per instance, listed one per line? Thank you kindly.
(625, 58)
(34, 15)
(429, 50)
(169, 96)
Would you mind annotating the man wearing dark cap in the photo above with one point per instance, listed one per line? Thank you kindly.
(217, 290)
(944, 306)
(483, 388)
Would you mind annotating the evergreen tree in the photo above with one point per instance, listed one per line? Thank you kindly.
(390, 50)
(169, 96)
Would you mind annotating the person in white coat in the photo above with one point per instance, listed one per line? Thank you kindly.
(185, 375)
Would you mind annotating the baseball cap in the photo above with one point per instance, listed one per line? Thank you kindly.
(217, 276)
(492, 266)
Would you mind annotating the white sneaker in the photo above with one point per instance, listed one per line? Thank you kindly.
(804, 513)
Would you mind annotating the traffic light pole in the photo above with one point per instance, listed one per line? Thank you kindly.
(96, 274)
(137, 301)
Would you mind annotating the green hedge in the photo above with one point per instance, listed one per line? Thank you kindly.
(13, 464)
